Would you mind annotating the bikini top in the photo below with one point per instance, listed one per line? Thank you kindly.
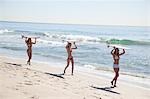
(116, 57)
(70, 50)
(29, 45)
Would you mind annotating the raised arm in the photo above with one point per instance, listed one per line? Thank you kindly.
(122, 52)
(75, 46)
(26, 39)
(112, 51)
(34, 41)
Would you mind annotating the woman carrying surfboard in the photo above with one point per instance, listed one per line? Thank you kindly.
(70, 57)
(29, 43)
(116, 57)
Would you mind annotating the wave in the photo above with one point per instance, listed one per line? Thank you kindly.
(128, 42)
(65, 37)
(5, 31)
(58, 38)
(108, 69)
(13, 48)
(90, 39)
(89, 66)
(51, 43)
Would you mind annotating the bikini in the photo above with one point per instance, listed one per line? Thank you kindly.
(116, 57)
(29, 48)
(70, 58)
(116, 65)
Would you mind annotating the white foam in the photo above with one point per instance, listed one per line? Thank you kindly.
(89, 67)
(51, 43)
(4, 31)
(77, 38)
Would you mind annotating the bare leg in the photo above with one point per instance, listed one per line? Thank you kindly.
(29, 56)
(113, 78)
(116, 70)
(117, 75)
(72, 61)
(68, 61)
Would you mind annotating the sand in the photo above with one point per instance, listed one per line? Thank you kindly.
(42, 81)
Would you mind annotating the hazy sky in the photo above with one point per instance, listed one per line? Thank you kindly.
(98, 12)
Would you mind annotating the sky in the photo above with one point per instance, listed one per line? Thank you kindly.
(94, 12)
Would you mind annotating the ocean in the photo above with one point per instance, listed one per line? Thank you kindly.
(92, 51)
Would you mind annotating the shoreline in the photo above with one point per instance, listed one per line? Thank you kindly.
(44, 81)
(136, 80)
(52, 62)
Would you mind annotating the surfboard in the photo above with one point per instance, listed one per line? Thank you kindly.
(29, 36)
(72, 43)
(117, 46)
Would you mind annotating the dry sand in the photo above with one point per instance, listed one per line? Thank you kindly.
(41, 81)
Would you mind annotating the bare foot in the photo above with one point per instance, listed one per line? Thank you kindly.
(63, 73)
(115, 86)
(111, 82)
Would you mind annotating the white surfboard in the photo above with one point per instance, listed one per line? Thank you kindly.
(72, 43)
(29, 36)
(118, 46)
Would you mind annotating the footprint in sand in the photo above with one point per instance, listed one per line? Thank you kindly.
(35, 75)
(26, 82)
(19, 84)
(25, 93)
(35, 97)
(13, 88)
(25, 74)
(14, 74)
(16, 88)
(97, 97)
(36, 84)
(35, 72)
(38, 80)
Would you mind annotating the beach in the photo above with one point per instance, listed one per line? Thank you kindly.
(93, 72)
(91, 40)
(74, 49)
(41, 81)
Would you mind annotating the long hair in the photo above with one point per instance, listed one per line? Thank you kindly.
(29, 40)
(68, 45)
(116, 52)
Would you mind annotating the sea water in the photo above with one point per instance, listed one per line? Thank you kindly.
(92, 40)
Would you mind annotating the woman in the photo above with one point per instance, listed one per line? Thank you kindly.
(116, 56)
(29, 43)
(70, 57)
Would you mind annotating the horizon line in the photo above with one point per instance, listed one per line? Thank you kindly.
(70, 23)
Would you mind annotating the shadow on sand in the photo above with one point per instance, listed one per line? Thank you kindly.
(13, 64)
(56, 75)
(108, 89)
